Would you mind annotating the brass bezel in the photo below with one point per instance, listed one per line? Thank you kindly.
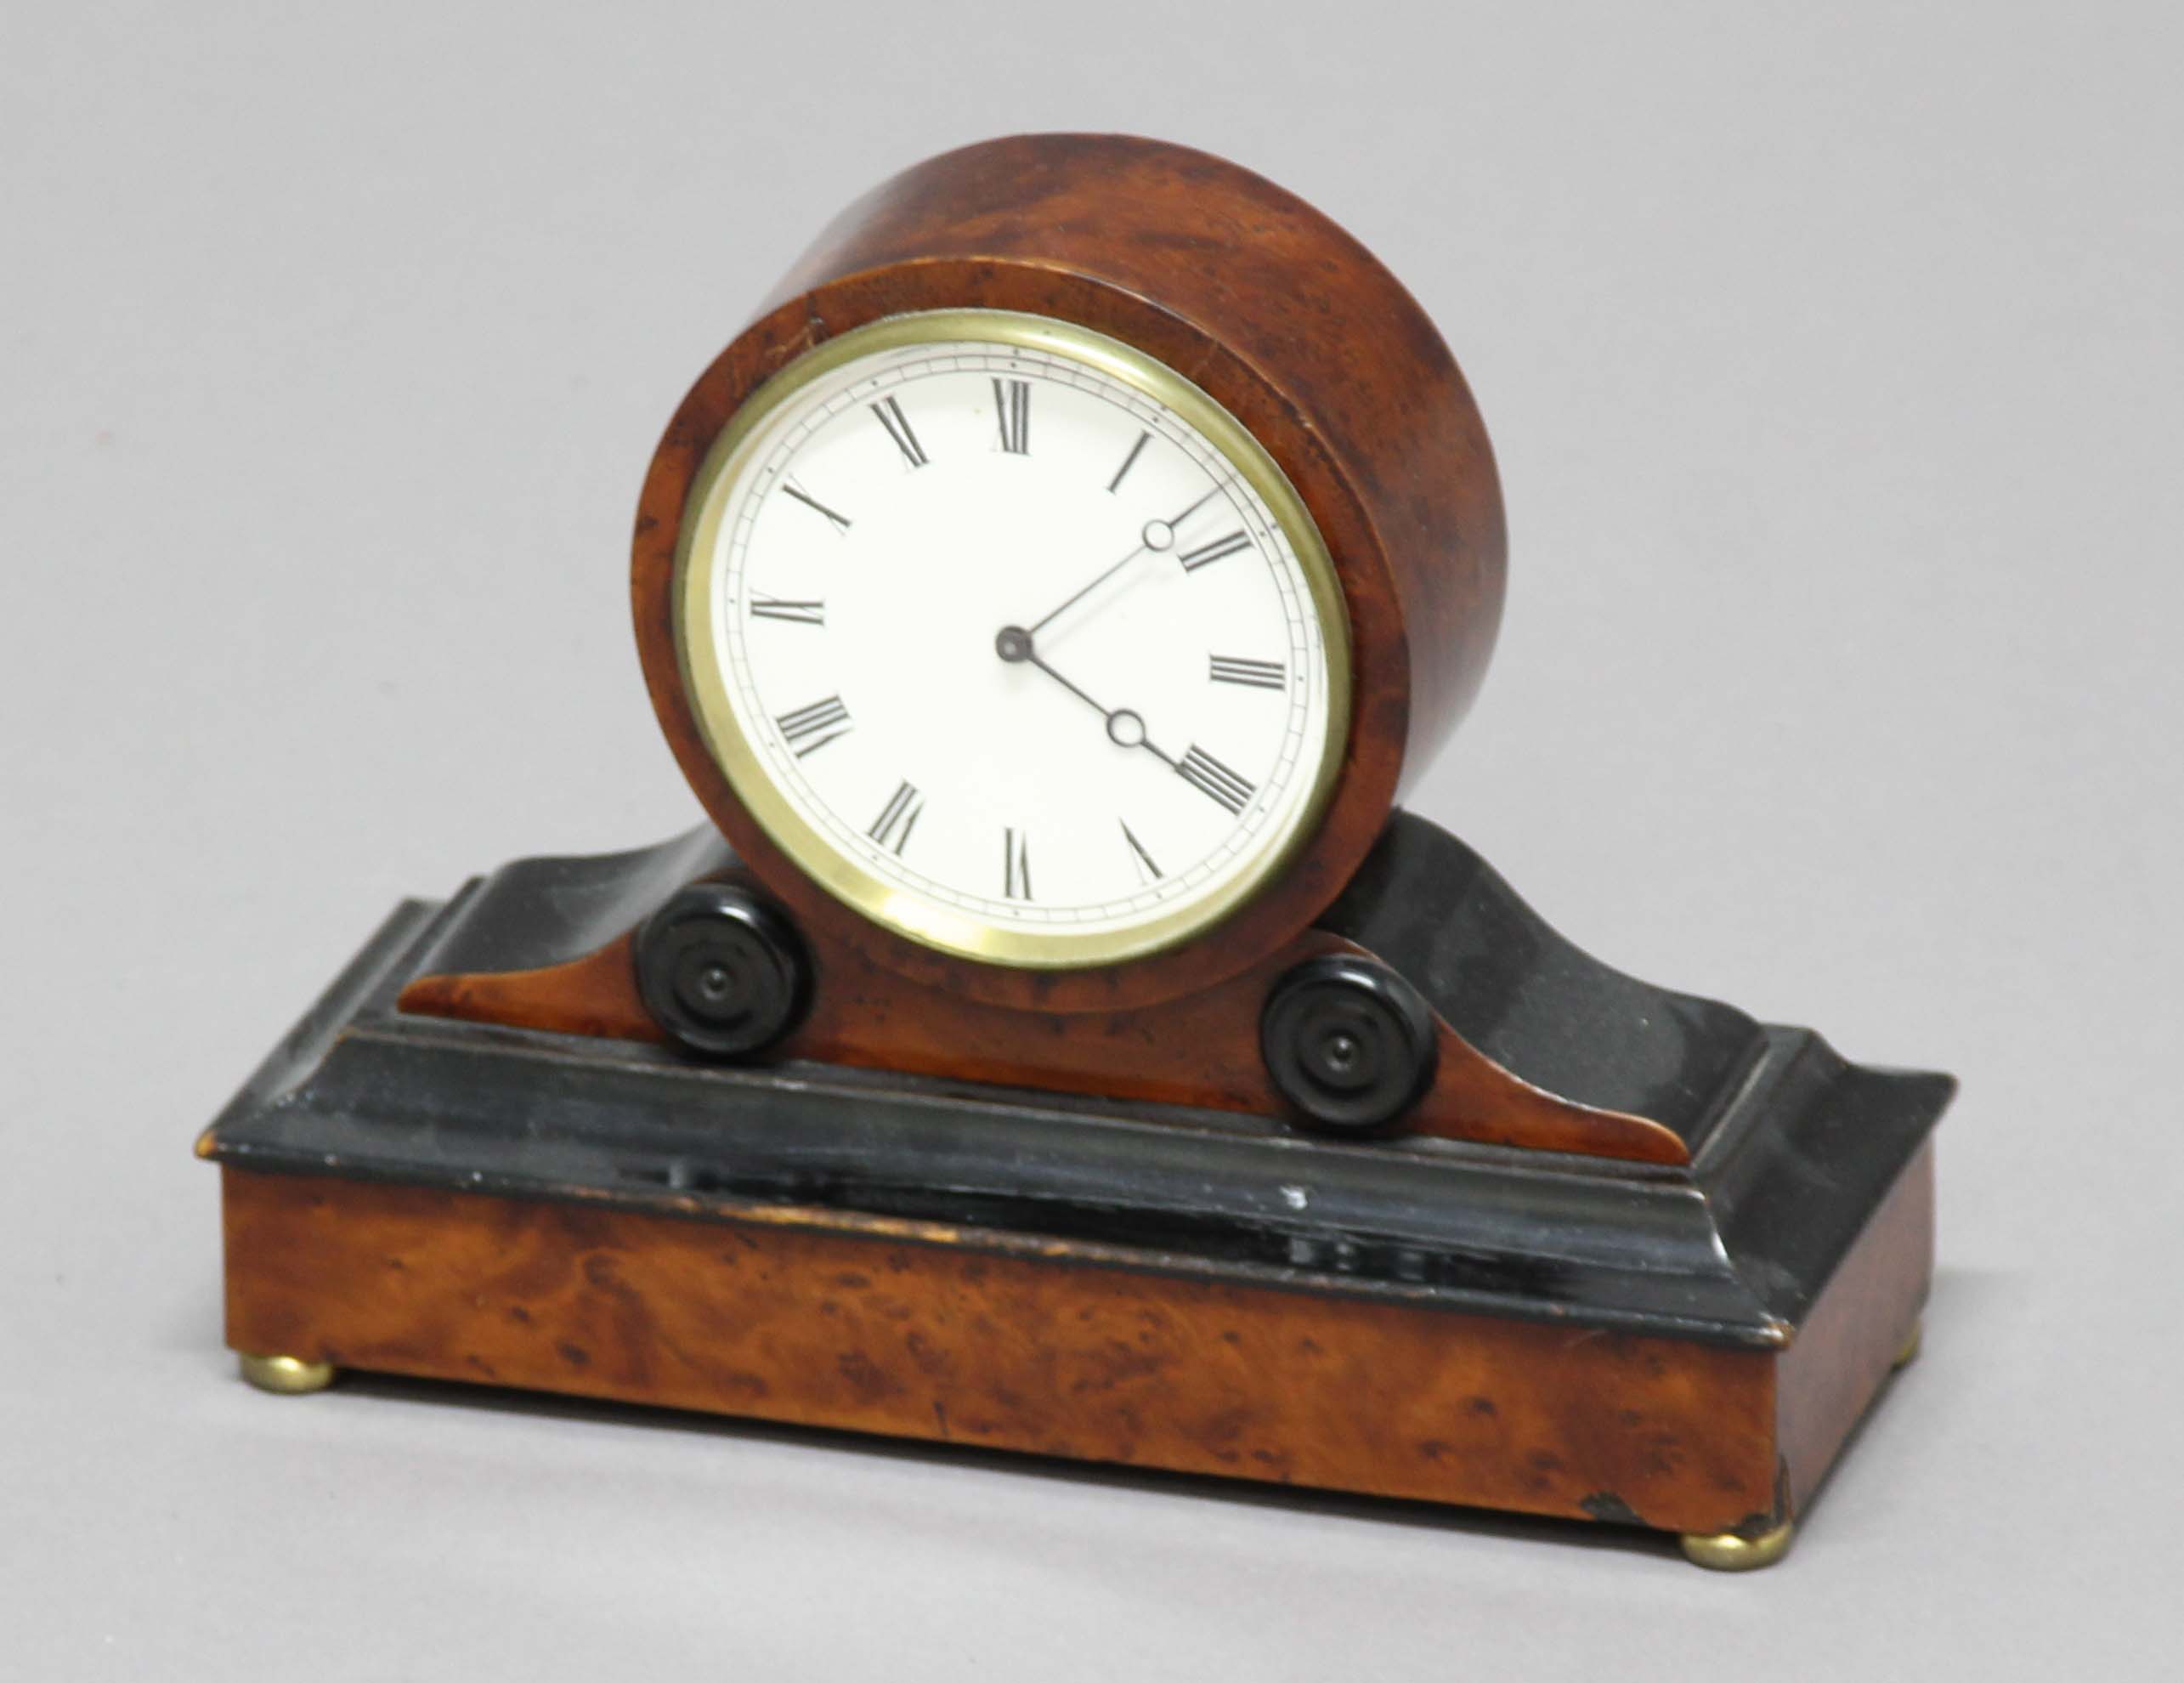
(844, 877)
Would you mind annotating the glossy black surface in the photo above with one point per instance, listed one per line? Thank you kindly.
(1427, 906)
(534, 913)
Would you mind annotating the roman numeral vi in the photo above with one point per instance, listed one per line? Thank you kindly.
(1012, 407)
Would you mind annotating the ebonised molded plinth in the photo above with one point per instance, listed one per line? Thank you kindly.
(1684, 1344)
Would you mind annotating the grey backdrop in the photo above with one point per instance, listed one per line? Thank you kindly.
(1833, 357)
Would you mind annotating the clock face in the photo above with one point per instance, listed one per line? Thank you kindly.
(1012, 638)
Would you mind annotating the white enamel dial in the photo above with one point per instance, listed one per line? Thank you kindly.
(1012, 638)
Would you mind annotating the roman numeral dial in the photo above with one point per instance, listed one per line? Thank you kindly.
(955, 599)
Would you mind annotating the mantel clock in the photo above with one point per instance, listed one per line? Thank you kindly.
(1057, 1037)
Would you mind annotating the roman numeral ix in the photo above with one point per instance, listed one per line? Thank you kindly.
(765, 607)
(1203, 772)
(808, 729)
(898, 429)
(1253, 674)
(1012, 407)
(1206, 554)
(897, 819)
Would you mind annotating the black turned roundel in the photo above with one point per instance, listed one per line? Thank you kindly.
(722, 971)
(1347, 1042)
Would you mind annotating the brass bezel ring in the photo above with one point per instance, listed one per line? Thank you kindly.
(698, 553)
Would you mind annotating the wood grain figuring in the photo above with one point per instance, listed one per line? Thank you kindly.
(1279, 316)
(912, 1333)
(1200, 1051)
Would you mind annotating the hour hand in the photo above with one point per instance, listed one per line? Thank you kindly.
(1125, 725)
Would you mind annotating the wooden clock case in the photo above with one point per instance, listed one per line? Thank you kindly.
(1629, 1256)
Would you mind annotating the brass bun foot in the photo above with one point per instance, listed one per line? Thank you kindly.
(1912, 1339)
(1727, 1551)
(285, 1375)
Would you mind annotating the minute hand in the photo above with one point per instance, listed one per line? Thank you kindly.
(1159, 534)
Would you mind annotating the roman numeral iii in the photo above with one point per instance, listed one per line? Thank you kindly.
(765, 607)
(808, 729)
(897, 819)
(898, 429)
(1203, 772)
(1253, 674)
(1205, 554)
(1012, 405)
